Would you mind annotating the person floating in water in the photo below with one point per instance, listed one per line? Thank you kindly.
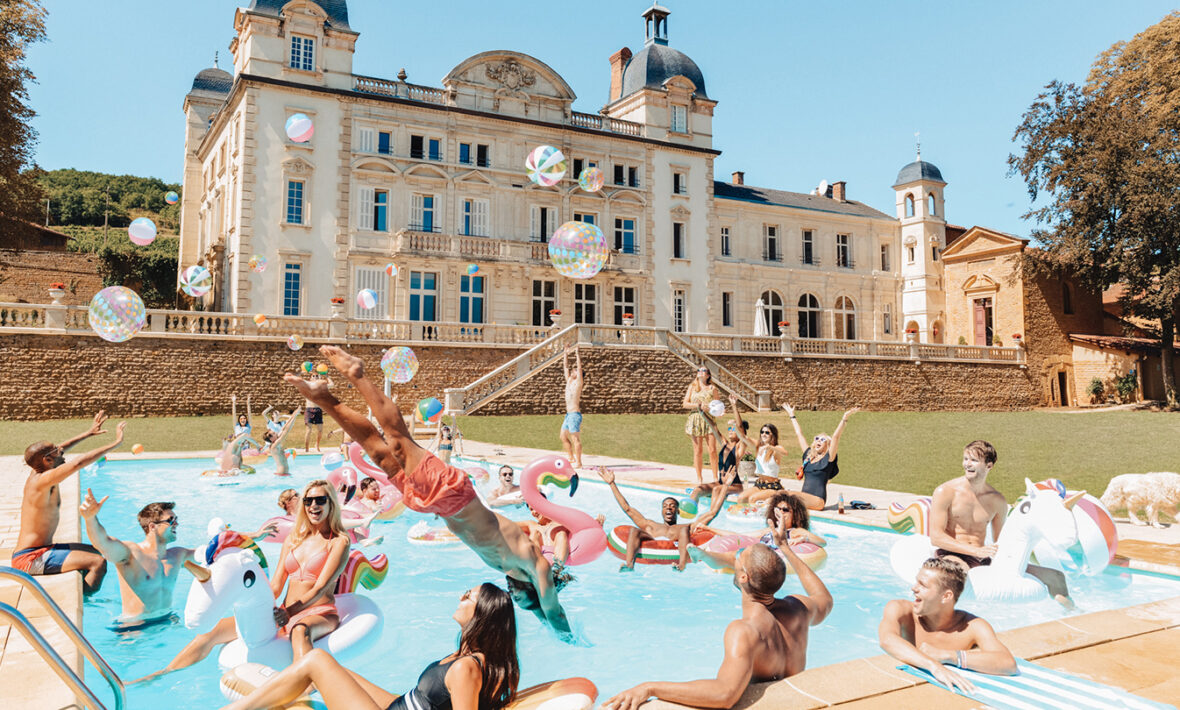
(931, 634)
(40, 510)
(768, 643)
(430, 486)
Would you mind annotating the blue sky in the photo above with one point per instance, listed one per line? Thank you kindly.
(807, 91)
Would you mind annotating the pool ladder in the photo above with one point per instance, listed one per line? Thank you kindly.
(21, 623)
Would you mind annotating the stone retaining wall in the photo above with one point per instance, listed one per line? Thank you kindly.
(72, 376)
(25, 276)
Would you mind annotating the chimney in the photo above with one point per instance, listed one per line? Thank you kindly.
(838, 190)
(618, 61)
(739, 177)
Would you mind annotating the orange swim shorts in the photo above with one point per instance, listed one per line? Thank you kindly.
(435, 487)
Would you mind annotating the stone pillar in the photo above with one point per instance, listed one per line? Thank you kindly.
(338, 325)
(55, 313)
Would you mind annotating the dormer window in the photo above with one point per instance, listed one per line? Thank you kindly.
(302, 53)
(679, 119)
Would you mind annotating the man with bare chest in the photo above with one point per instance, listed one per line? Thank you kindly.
(929, 633)
(40, 510)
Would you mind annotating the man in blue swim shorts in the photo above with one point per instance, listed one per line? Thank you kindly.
(571, 427)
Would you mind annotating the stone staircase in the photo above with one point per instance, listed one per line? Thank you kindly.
(510, 375)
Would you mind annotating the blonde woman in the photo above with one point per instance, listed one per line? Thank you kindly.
(313, 557)
(699, 426)
(819, 460)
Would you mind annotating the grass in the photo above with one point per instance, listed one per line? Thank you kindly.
(903, 451)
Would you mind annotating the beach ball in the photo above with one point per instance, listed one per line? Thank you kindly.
(137, 449)
(592, 179)
(716, 408)
(196, 281)
(578, 250)
(545, 165)
(171, 197)
(258, 263)
(472, 269)
(116, 314)
(142, 231)
(688, 508)
(391, 269)
(399, 364)
(307, 366)
(321, 369)
(300, 128)
(332, 460)
(295, 342)
(259, 319)
(429, 410)
(366, 299)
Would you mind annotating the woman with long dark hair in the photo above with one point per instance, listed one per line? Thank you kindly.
(482, 673)
(787, 514)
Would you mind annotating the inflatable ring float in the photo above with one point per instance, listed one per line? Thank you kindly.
(567, 694)
(243, 471)
(811, 554)
(651, 552)
(422, 534)
(240, 681)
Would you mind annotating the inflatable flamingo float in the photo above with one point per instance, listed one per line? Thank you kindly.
(587, 538)
(391, 498)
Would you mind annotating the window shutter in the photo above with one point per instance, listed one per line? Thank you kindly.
(365, 140)
(365, 219)
(479, 220)
(416, 211)
(535, 222)
(375, 279)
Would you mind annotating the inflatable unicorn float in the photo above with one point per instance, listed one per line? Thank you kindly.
(234, 580)
(1070, 531)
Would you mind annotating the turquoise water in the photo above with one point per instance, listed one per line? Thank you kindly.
(652, 624)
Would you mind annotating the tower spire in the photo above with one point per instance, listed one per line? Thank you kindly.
(918, 142)
(215, 60)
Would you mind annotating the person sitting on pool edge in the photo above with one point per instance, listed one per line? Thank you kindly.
(768, 643)
(732, 450)
(147, 570)
(40, 510)
(646, 529)
(930, 633)
(430, 486)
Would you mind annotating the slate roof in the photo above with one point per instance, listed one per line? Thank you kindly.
(212, 79)
(919, 170)
(797, 200)
(337, 10)
(655, 64)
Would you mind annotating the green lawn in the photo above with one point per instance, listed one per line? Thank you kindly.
(904, 451)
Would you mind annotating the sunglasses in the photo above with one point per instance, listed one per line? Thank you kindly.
(315, 500)
(505, 474)
(821, 438)
(466, 596)
(766, 431)
(783, 508)
(169, 522)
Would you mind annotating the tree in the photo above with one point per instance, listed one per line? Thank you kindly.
(22, 22)
(1105, 156)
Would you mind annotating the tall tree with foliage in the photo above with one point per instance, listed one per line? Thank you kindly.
(22, 22)
(1104, 158)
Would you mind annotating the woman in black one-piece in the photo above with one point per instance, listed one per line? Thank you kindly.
(484, 668)
(819, 460)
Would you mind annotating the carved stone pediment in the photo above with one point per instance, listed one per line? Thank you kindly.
(680, 211)
(511, 75)
(297, 166)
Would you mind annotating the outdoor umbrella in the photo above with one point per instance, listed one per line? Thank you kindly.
(760, 327)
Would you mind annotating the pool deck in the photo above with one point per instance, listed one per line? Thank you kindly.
(1131, 648)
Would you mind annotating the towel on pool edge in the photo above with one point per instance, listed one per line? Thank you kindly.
(1038, 687)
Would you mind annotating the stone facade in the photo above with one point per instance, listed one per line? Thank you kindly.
(25, 276)
(71, 376)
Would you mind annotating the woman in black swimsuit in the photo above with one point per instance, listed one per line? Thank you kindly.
(483, 673)
(819, 460)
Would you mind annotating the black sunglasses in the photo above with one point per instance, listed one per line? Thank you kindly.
(314, 500)
(169, 522)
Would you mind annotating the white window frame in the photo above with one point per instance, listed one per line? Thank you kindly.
(422, 292)
(620, 241)
(726, 246)
(541, 229)
(476, 217)
(298, 263)
(418, 212)
(844, 251)
(623, 304)
(302, 206)
(301, 46)
(547, 302)
(844, 318)
(365, 197)
(679, 119)
(584, 303)
(679, 183)
(587, 217)
(375, 278)
(679, 240)
(769, 238)
(887, 319)
(679, 309)
(727, 309)
(470, 296)
(885, 257)
(365, 140)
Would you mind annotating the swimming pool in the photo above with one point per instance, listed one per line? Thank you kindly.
(651, 624)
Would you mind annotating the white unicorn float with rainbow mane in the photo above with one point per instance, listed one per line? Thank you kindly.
(1070, 531)
(235, 581)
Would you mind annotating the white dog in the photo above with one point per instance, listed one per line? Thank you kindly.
(1150, 492)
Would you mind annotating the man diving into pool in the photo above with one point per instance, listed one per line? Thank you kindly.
(430, 486)
(769, 642)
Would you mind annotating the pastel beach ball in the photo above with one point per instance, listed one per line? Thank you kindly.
(687, 507)
(171, 197)
(116, 314)
(472, 269)
(137, 449)
(592, 179)
(429, 410)
(366, 299)
(399, 364)
(295, 342)
(307, 366)
(142, 231)
(258, 263)
(391, 269)
(196, 281)
(716, 408)
(578, 250)
(545, 165)
(321, 369)
(300, 128)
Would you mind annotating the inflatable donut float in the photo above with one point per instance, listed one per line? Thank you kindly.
(243, 471)
(422, 534)
(651, 552)
(811, 554)
(240, 681)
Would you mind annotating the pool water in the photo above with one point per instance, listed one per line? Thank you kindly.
(650, 624)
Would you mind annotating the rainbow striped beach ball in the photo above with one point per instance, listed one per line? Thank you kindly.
(142, 231)
(196, 281)
(545, 165)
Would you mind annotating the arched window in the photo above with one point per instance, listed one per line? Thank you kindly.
(773, 311)
(809, 316)
(930, 211)
(1066, 299)
(845, 318)
(909, 205)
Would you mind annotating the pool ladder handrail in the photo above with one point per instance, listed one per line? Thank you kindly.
(46, 651)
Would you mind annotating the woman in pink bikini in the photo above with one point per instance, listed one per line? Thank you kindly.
(313, 557)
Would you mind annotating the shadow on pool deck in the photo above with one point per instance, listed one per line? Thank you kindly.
(1132, 648)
